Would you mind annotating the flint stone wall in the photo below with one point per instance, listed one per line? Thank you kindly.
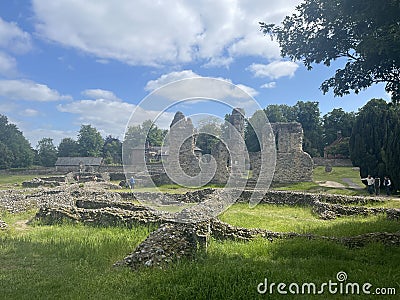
(292, 163)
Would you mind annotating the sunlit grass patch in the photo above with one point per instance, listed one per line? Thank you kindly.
(302, 220)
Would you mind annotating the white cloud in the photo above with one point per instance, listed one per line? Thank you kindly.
(168, 78)
(35, 135)
(249, 90)
(268, 85)
(29, 90)
(212, 89)
(164, 32)
(8, 65)
(13, 38)
(255, 44)
(274, 70)
(100, 94)
(29, 112)
(111, 117)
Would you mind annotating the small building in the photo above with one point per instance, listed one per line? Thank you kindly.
(78, 164)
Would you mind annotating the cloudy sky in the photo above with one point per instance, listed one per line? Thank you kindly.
(67, 62)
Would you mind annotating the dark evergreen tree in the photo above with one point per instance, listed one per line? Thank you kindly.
(372, 144)
(391, 146)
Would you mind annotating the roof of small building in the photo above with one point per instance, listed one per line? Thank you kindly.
(76, 161)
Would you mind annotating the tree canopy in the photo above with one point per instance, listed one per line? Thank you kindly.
(15, 150)
(68, 148)
(90, 141)
(47, 152)
(335, 121)
(145, 134)
(209, 133)
(365, 33)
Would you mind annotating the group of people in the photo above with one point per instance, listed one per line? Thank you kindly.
(374, 185)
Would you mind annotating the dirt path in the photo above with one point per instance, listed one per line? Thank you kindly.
(332, 184)
(352, 184)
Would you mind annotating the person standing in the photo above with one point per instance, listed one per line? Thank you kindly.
(132, 182)
(387, 184)
(370, 183)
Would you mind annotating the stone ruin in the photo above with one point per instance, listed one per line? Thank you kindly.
(181, 145)
(172, 241)
(292, 163)
(72, 177)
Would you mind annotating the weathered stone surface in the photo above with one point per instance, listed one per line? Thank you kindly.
(168, 244)
(36, 182)
(181, 159)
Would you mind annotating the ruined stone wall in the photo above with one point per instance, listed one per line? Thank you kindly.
(292, 163)
(182, 141)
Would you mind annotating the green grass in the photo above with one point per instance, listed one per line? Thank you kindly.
(14, 181)
(302, 220)
(337, 174)
(75, 262)
(320, 176)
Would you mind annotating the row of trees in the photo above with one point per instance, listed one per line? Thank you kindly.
(318, 131)
(89, 143)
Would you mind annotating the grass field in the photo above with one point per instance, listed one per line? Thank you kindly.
(14, 181)
(75, 261)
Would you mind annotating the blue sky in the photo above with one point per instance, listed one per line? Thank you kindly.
(65, 63)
